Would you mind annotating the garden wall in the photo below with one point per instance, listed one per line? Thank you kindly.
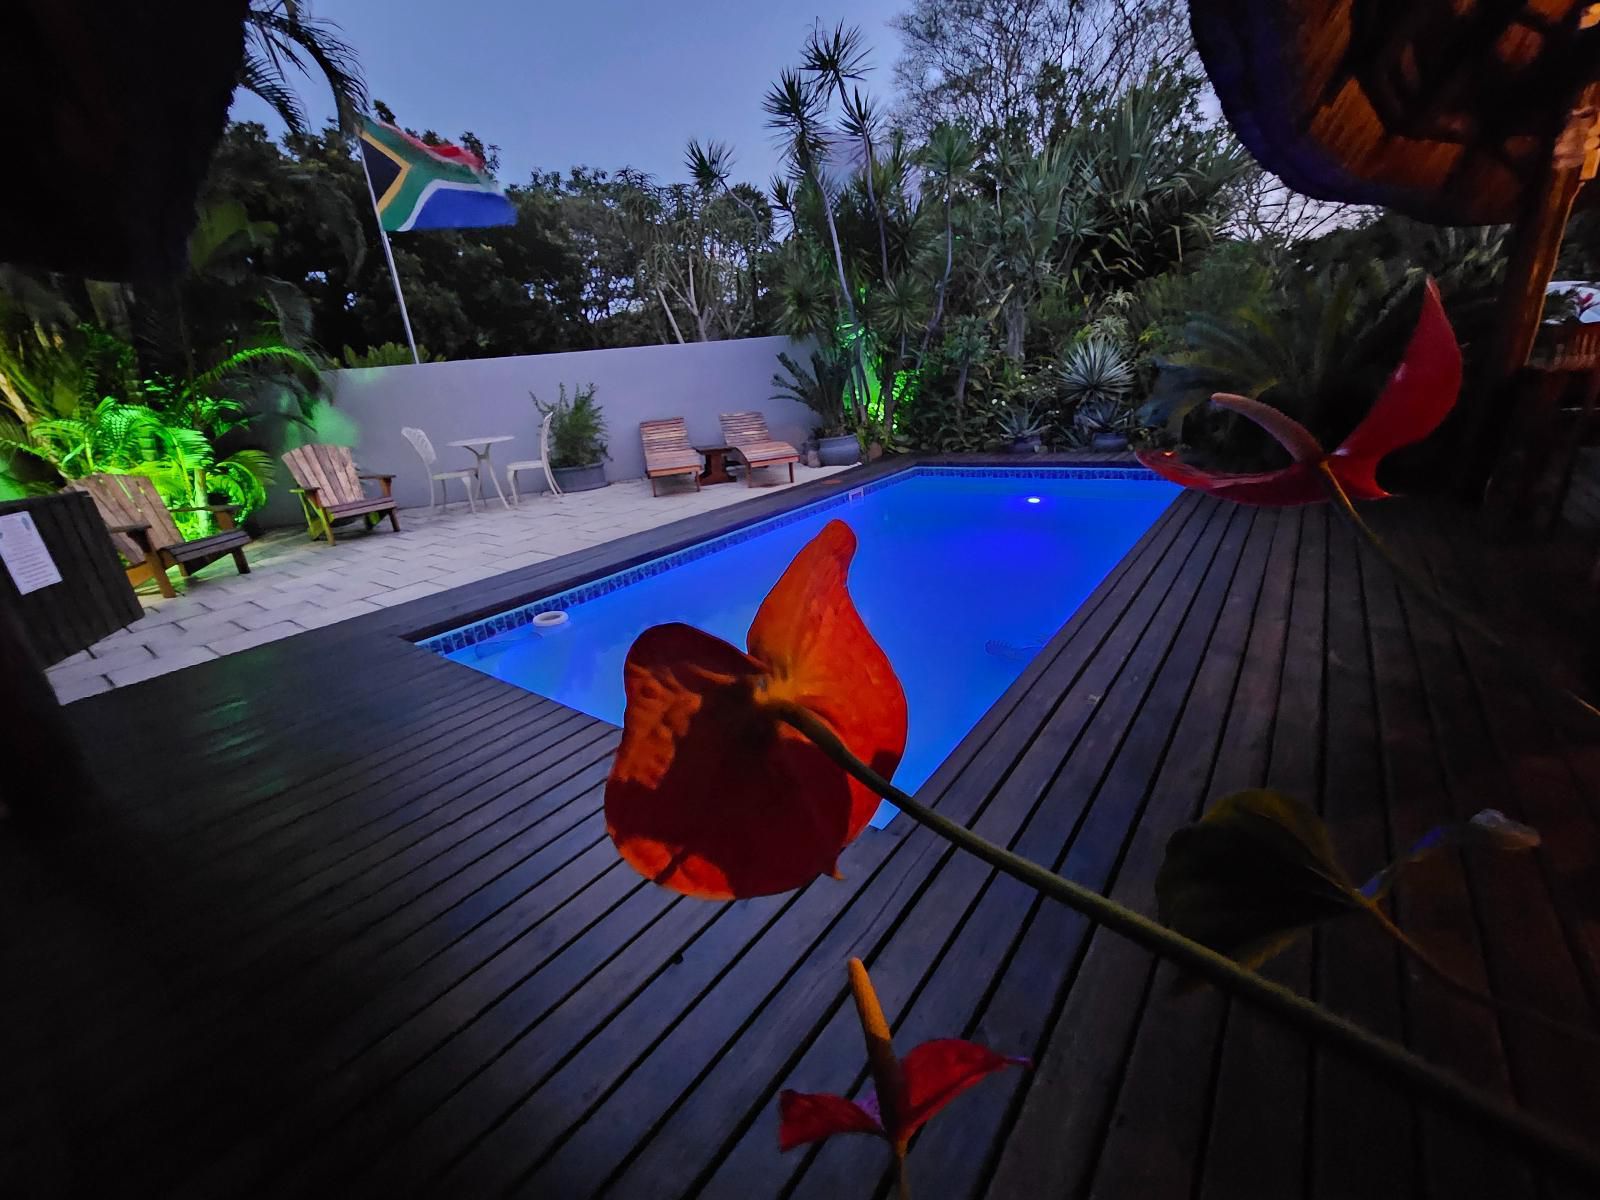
(466, 398)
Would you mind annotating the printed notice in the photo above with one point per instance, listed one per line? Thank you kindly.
(24, 553)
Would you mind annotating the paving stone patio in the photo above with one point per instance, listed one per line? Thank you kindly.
(295, 584)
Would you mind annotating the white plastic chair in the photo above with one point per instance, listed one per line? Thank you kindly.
(542, 463)
(469, 478)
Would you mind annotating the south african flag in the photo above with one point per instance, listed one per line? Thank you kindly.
(429, 187)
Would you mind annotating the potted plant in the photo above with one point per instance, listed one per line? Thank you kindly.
(821, 389)
(1021, 429)
(1104, 424)
(1096, 378)
(577, 439)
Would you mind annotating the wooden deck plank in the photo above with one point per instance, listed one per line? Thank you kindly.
(1261, 1143)
(1363, 1134)
(708, 1137)
(408, 960)
(1434, 908)
(1079, 826)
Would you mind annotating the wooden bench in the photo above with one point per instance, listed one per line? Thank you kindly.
(746, 433)
(330, 490)
(144, 533)
(667, 451)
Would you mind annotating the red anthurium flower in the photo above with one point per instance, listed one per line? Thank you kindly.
(1419, 395)
(712, 795)
(910, 1090)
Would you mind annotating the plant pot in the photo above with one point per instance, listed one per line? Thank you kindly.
(841, 451)
(1028, 445)
(874, 451)
(580, 479)
(1109, 441)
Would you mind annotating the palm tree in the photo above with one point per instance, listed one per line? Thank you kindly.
(280, 36)
(947, 161)
(835, 60)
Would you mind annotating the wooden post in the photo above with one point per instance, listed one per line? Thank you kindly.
(1535, 244)
(45, 775)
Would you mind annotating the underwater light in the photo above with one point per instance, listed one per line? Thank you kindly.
(1033, 499)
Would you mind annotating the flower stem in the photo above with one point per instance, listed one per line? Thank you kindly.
(1551, 1147)
(902, 1176)
(1424, 589)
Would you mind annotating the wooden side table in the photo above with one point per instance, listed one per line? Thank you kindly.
(716, 464)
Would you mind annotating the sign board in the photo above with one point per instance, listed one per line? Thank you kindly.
(24, 554)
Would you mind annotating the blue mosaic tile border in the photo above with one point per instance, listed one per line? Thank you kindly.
(470, 635)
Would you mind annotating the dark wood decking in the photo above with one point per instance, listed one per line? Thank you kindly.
(348, 922)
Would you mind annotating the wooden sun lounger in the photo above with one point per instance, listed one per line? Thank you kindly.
(746, 433)
(667, 451)
(142, 529)
(330, 490)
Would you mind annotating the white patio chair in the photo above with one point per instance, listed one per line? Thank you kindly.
(542, 463)
(469, 478)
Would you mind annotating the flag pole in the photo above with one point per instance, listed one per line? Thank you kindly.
(388, 254)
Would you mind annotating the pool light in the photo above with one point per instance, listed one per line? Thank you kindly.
(1033, 499)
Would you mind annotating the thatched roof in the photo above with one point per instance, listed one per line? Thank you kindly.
(1441, 109)
(112, 109)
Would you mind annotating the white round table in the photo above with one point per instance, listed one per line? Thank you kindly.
(481, 448)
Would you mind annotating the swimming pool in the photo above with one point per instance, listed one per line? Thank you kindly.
(962, 574)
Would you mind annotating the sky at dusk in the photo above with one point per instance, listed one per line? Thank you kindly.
(602, 83)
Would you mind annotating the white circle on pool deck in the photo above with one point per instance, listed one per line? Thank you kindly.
(546, 619)
(1033, 499)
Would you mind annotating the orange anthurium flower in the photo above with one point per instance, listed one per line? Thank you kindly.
(1419, 395)
(910, 1090)
(711, 794)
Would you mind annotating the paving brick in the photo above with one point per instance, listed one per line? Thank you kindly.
(188, 657)
(233, 643)
(330, 616)
(110, 657)
(76, 687)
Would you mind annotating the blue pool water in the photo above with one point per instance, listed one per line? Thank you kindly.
(961, 577)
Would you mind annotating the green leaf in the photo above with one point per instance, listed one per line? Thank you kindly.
(1251, 875)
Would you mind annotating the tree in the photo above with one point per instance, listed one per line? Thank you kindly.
(1021, 70)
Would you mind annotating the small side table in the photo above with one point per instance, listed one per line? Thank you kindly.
(716, 464)
(480, 448)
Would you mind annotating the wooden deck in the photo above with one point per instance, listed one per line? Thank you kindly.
(347, 921)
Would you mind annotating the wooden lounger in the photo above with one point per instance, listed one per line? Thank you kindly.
(746, 433)
(142, 529)
(667, 451)
(330, 490)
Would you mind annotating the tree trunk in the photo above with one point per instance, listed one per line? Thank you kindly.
(671, 320)
(1016, 325)
(944, 281)
(877, 213)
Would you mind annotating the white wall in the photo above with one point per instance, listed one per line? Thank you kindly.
(453, 400)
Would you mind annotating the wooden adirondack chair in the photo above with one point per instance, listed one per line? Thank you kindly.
(746, 433)
(667, 451)
(330, 490)
(143, 531)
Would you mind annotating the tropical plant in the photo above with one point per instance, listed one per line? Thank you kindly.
(577, 427)
(1019, 422)
(1316, 347)
(1094, 371)
(820, 388)
(122, 438)
(390, 354)
(1094, 417)
(99, 415)
(280, 36)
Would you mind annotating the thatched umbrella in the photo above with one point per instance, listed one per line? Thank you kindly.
(1456, 112)
(112, 109)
